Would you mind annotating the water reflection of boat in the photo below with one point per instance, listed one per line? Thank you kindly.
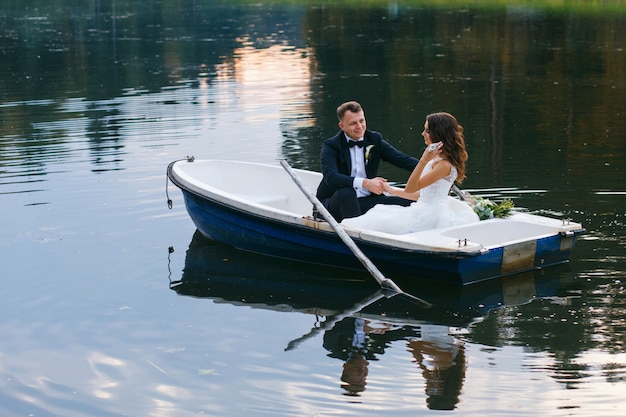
(224, 274)
(360, 321)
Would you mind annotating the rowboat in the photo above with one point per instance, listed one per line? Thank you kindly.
(260, 208)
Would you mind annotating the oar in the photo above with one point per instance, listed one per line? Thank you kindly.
(464, 195)
(335, 318)
(384, 282)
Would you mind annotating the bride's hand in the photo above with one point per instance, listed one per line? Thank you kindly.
(429, 153)
(401, 192)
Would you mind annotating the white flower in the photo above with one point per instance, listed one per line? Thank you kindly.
(368, 150)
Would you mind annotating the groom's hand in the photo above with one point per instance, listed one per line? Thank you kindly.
(375, 185)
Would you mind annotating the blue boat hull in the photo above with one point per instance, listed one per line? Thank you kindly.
(260, 234)
(220, 272)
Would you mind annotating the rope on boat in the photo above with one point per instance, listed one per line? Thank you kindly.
(167, 194)
(170, 204)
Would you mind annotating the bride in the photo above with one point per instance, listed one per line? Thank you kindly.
(442, 163)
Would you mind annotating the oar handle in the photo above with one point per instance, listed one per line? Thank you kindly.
(464, 195)
(458, 192)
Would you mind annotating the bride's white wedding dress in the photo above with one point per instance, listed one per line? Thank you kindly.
(434, 209)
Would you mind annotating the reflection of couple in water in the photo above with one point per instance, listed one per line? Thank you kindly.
(440, 356)
(357, 197)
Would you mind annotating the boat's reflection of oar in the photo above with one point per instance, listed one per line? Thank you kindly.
(384, 282)
(335, 318)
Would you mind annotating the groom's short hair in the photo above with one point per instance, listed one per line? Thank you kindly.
(352, 106)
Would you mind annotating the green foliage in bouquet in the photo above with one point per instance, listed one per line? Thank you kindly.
(487, 209)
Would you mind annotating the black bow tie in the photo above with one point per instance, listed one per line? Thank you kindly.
(353, 143)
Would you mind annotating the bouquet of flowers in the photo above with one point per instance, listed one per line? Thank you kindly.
(487, 209)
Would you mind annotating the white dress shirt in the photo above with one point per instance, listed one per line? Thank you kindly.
(357, 159)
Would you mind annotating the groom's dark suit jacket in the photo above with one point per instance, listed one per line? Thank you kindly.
(336, 164)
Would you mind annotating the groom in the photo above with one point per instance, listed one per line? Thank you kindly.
(349, 161)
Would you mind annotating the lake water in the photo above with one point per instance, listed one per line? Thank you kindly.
(111, 305)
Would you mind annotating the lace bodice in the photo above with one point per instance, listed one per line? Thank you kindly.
(440, 189)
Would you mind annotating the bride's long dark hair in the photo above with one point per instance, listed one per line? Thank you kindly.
(444, 128)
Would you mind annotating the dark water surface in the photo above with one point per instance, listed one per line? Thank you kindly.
(112, 306)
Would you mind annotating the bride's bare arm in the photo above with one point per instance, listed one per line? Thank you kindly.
(416, 181)
(401, 192)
